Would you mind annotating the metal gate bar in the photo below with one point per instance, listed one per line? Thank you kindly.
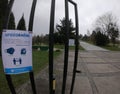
(51, 45)
(66, 53)
(5, 26)
(76, 46)
(30, 28)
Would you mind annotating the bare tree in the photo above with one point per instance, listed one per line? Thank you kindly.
(105, 21)
(108, 25)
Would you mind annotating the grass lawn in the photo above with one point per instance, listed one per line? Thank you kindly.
(70, 47)
(59, 46)
(40, 60)
(112, 48)
(73, 48)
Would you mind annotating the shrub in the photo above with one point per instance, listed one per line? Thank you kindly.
(101, 39)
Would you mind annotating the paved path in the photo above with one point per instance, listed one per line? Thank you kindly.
(100, 74)
(90, 47)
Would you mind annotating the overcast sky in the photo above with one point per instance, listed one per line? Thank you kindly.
(88, 10)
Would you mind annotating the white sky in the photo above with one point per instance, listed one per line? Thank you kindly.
(88, 10)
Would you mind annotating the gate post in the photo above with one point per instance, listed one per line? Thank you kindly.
(5, 26)
(76, 46)
(51, 45)
(30, 28)
(66, 53)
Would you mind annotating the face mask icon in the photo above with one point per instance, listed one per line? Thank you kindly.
(17, 61)
(23, 51)
(10, 51)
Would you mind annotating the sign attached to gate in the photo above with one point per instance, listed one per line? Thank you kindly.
(17, 51)
(71, 42)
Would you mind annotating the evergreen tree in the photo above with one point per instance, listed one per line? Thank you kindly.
(21, 24)
(11, 24)
(61, 31)
(99, 38)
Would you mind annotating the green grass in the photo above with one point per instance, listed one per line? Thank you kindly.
(70, 47)
(73, 48)
(112, 48)
(3, 84)
(40, 61)
(59, 46)
(81, 48)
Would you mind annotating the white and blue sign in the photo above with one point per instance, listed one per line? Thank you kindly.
(71, 42)
(17, 51)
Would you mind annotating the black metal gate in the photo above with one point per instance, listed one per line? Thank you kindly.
(51, 45)
(66, 52)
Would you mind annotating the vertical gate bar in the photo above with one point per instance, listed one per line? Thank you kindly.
(5, 26)
(76, 47)
(31, 74)
(66, 53)
(10, 84)
(30, 28)
(51, 45)
(31, 20)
